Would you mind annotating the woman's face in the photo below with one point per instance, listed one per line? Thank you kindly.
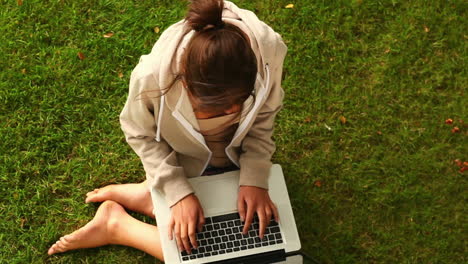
(210, 114)
(204, 114)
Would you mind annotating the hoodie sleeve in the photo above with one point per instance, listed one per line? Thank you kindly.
(159, 160)
(258, 146)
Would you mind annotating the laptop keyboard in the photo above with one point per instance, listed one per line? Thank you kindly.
(223, 234)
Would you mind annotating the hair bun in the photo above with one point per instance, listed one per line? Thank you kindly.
(205, 14)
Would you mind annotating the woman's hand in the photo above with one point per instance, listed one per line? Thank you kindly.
(187, 216)
(253, 199)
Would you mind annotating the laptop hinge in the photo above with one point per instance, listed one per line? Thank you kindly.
(260, 258)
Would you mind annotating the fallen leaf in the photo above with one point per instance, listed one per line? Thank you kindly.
(108, 35)
(23, 71)
(318, 183)
(426, 29)
(289, 6)
(81, 56)
(458, 162)
(332, 58)
(20, 2)
(463, 169)
(449, 121)
(307, 120)
(465, 163)
(121, 75)
(156, 30)
(343, 120)
(379, 132)
(387, 51)
(23, 221)
(455, 130)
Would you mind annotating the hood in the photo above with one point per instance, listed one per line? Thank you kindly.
(266, 44)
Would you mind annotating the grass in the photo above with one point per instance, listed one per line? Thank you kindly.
(381, 187)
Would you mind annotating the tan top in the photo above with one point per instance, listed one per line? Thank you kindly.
(219, 131)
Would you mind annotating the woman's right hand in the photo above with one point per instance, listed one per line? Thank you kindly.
(187, 217)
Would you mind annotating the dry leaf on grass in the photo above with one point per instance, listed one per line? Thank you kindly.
(23, 221)
(289, 6)
(455, 130)
(108, 35)
(449, 121)
(343, 120)
(156, 30)
(81, 56)
(318, 183)
(121, 75)
(20, 2)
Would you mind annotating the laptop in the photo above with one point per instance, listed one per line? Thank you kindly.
(221, 240)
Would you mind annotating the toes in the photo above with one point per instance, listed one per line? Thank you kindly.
(89, 196)
(55, 248)
(93, 198)
(64, 241)
(51, 250)
(62, 245)
(59, 249)
(92, 192)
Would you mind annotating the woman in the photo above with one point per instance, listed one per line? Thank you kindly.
(202, 102)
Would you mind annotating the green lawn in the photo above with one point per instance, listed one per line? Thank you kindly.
(362, 137)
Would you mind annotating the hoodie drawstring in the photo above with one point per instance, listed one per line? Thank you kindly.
(161, 110)
(267, 76)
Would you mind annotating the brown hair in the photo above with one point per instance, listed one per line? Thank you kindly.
(218, 66)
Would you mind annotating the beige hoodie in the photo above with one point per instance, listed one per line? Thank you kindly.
(162, 129)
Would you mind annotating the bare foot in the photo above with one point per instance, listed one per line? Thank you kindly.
(98, 232)
(133, 196)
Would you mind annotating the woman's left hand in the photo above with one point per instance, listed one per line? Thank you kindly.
(252, 200)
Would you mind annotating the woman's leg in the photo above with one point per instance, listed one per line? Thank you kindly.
(133, 196)
(112, 225)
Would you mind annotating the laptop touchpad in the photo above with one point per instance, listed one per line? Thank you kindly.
(217, 195)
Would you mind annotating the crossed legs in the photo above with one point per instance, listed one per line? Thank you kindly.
(113, 225)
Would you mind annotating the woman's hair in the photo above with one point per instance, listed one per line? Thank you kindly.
(218, 66)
